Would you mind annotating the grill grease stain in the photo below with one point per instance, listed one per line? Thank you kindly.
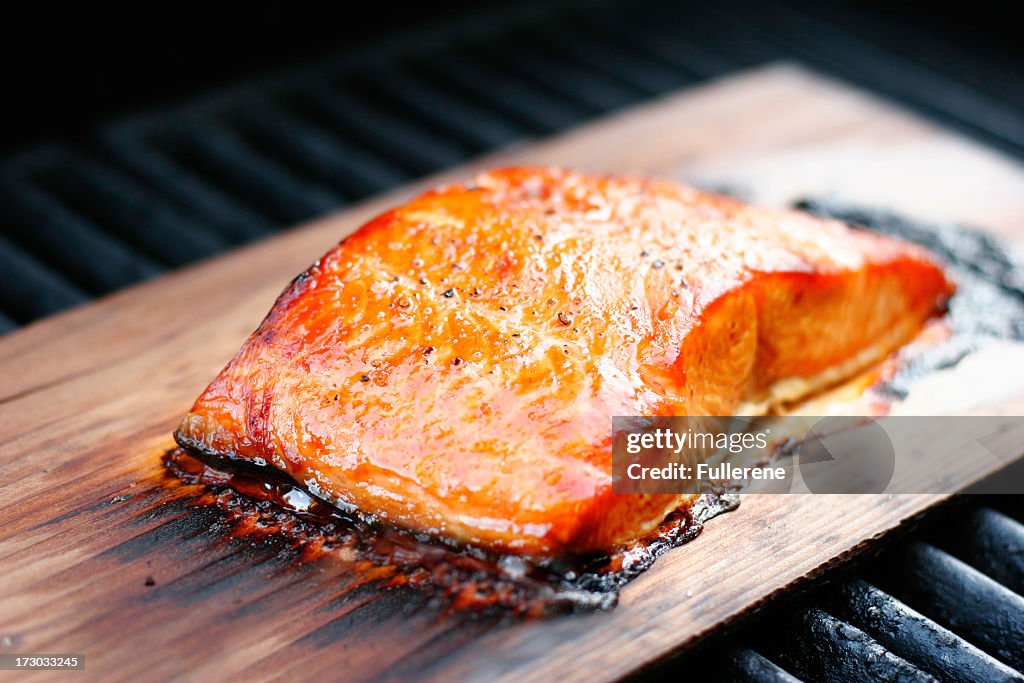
(267, 503)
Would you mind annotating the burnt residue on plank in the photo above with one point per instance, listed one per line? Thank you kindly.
(457, 578)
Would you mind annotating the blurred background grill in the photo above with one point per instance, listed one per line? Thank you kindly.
(304, 113)
(94, 205)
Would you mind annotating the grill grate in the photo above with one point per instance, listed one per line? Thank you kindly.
(157, 191)
(941, 604)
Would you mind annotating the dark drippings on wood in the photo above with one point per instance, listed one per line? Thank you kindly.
(265, 501)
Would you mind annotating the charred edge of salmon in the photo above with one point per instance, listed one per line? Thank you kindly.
(267, 328)
(230, 461)
(579, 583)
(458, 582)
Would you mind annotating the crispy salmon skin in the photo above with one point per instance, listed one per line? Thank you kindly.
(452, 367)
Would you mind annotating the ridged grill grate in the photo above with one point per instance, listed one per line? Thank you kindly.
(946, 604)
(151, 193)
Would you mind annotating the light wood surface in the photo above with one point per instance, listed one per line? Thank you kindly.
(89, 399)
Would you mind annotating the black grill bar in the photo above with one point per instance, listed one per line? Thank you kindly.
(108, 197)
(440, 108)
(506, 92)
(822, 647)
(964, 600)
(314, 151)
(42, 225)
(915, 612)
(747, 666)
(911, 635)
(407, 144)
(30, 290)
(994, 543)
(259, 181)
(133, 147)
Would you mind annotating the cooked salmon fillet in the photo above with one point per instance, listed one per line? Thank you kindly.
(453, 366)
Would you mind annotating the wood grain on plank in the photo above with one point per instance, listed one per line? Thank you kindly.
(89, 399)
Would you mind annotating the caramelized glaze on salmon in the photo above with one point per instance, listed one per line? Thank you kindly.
(452, 367)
